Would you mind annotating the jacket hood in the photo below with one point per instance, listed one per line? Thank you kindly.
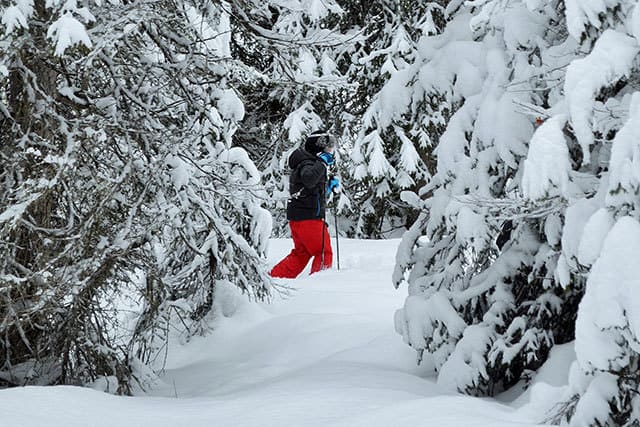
(298, 156)
(318, 142)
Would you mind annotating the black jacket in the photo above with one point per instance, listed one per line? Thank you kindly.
(307, 185)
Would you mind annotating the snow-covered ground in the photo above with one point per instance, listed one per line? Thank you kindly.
(327, 355)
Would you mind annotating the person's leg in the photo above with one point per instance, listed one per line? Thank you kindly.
(297, 260)
(320, 249)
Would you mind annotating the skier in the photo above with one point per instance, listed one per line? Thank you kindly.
(308, 189)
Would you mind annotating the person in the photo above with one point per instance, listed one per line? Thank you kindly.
(308, 190)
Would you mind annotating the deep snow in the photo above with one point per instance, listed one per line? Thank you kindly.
(327, 355)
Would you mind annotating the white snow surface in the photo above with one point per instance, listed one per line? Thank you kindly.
(66, 32)
(546, 169)
(14, 17)
(625, 160)
(230, 106)
(595, 231)
(610, 308)
(327, 355)
(611, 59)
(582, 12)
(608, 325)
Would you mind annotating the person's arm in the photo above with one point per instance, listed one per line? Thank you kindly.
(311, 173)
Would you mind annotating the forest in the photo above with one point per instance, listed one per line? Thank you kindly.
(143, 172)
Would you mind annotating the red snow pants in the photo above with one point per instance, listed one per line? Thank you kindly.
(310, 239)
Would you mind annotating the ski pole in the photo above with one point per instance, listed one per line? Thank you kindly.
(335, 217)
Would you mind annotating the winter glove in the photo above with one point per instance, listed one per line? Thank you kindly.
(327, 158)
(333, 183)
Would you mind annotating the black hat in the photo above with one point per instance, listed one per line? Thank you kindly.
(318, 141)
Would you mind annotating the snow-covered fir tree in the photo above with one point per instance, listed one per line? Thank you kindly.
(602, 97)
(120, 180)
(522, 217)
(295, 87)
(390, 151)
(320, 65)
(343, 54)
(484, 304)
(127, 134)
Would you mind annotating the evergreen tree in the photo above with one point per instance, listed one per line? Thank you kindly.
(601, 229)
(604, 380)
(342, 56)
(295, 86)
(391, 151)
(560, 200)
(484, 301)
(119, 181)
